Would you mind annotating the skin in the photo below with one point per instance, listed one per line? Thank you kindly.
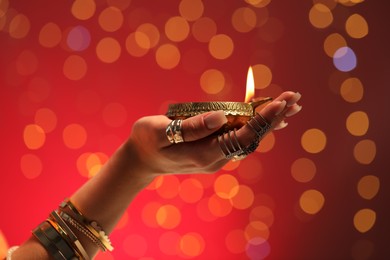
(147, 154)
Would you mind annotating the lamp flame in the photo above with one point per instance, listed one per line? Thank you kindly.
(250, 86)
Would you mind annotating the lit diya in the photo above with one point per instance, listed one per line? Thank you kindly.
(237, 113)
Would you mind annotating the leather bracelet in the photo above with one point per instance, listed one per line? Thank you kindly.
(50, 247)
(59, 224)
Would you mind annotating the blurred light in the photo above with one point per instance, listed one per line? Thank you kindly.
(74, 136)
(250, 170)
(83, 9)
(258, 248)
(313, 140)
(219, 207)
(364, 220)
(226, 186)
(4, 4)
(320, 16)
(262, 75)
(263, 214)
(311, 201)
(168, 56)
(191, 10)
(221, 46)
(169, 187)
(3, 242)
(26, 63)
(250, 86)
(169, 243)
(231, 165)
(34, 136)
(50, 35)
(204, 29)
(19, 26)
(135, 245)
(31, 166)
(203, 211)
(111, 19)
(334, 42)
(75, 67)
(151, 32)
(149, 213)
(78, 38)
(121, 4)
(357, 123)
(352, 90)
(258, 3)
(108, 50)
(267, 143)
(344, 59)
(177, 29)
(190, 190)
(356, 26)
(244, 198)
(46, 118)
(244, 19)
(137, 44)
(368, 186)
(256, 229)
(365, 151)
(212, 81)
(168, 216)
(157, 182)
(303, 170)
(94, 162)
(235, 241)
(192, 244)
(114, 115)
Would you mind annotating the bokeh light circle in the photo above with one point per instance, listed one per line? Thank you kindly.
(303, 170)
(74, 136)
(368, 186)
(221, 46)
(320, 16)
(352, 90)
(311, 201)
(31, 166)
(108, 50)
(244, 19)
(75, 67)
(168, 56)
(191, 10)
(356, 26)
(19, 26)
(78, 38)
(313, 140)
(204, 29)
(34, 136)
(365, 151)
(333, 42)
(345, 59)
(192, 244)
(258, 248)
(177, 29)
(168, 216)
(111, 19)
(364, 220)
(50, 35)
(357, 123)
(212, 81)
(83, 9)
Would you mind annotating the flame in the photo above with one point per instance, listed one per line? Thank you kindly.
(250, 86)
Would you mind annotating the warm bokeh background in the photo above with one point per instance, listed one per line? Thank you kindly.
(75, 75)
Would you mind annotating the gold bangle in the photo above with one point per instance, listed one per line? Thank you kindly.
(92, 226)
(82, 229)
(58, 223)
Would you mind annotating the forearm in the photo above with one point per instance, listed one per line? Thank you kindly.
(104, 198)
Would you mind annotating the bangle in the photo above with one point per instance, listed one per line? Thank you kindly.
(82, 229)
(92, 226)
(10, 251)
(50, 247)
(58, 223)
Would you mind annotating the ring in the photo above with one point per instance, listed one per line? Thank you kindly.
(173, 131)
(230, 146)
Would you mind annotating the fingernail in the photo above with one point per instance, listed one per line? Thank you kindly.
(282, 105)
(215, 119)
(281, 125)
(297, 96)
(293, 111)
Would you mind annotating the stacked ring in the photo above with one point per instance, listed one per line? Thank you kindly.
(173, 131)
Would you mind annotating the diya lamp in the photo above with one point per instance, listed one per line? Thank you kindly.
(237, 113)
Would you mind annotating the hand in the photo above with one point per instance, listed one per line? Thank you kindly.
(201, 151)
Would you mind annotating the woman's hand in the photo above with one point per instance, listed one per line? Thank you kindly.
(200, 151)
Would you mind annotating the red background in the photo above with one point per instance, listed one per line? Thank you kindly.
(138, 86)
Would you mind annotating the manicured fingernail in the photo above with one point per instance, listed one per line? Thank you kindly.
(281, 106)
(293, 111)
(281, 125)
(215, 119)
(297, 96)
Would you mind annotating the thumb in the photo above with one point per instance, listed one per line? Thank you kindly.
(202, 125)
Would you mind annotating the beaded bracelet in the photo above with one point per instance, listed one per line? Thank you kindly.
(58, 223)
(92, 226)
